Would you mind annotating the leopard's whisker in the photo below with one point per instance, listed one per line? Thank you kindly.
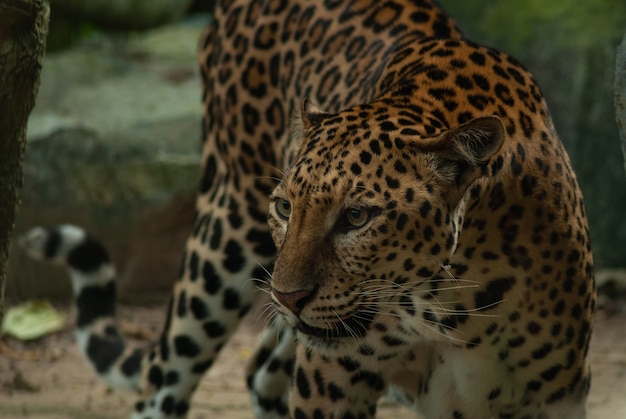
(263, 311)
(346, 327)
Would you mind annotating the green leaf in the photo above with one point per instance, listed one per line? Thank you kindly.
(31, 320)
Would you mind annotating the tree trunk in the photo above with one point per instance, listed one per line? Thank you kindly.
(620, 93)
(23, 31)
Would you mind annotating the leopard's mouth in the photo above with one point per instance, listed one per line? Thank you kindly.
(354, 327)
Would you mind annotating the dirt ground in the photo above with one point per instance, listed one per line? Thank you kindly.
(48, 379)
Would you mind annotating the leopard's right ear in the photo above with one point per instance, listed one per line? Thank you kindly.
(460, 155)
(311, 114)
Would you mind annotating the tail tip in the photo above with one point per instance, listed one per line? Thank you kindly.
(51, 244)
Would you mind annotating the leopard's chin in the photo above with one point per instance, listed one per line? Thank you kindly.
(351, 327)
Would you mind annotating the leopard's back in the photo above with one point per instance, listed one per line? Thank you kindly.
(260, 60)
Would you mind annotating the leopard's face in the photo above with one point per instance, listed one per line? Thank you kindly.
(365, 217)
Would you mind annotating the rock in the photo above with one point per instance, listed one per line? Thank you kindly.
(113, 145)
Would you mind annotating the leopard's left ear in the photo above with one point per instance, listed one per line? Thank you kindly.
(459, 155)
(311, 114)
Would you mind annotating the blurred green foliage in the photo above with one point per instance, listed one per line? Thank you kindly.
(568, 23)
(66, 30)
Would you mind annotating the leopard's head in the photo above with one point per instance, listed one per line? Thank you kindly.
(370, 209)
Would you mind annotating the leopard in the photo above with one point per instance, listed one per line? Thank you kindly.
(401, 194)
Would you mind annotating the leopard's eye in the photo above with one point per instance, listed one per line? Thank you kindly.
(283, 208)
(356, 217)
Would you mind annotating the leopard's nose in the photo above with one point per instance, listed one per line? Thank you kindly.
(294, 301)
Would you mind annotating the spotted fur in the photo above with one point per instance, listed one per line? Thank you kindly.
(427, 234)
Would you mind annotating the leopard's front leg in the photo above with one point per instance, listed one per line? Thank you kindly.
(269, 371)
(217, 286)
(339, 387)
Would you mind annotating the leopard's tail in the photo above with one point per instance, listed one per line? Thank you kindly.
(93, 285)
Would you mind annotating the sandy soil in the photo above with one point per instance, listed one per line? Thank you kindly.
(48, 378)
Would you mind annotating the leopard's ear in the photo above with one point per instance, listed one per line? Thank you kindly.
(311, 114)
(459, 155)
